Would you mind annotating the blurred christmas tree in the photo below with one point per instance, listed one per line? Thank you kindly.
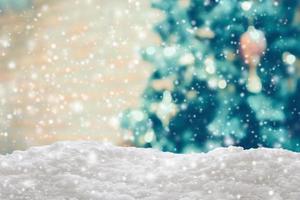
(226, 73)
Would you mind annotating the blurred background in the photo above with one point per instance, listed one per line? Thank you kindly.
(69, 68)
(217, 73)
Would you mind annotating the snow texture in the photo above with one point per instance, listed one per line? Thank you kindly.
(92, 170)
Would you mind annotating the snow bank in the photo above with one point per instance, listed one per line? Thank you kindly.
(91, 170)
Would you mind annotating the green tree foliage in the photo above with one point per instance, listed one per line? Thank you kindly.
(197, 97)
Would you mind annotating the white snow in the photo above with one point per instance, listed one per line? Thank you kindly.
(92, 170)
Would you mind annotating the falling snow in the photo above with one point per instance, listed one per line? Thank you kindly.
(70, 68)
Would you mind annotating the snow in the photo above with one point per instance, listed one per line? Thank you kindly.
(92, 170)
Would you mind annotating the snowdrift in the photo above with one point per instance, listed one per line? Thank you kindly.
(92, 170)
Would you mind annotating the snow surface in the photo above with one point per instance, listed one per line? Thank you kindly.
(92, 170)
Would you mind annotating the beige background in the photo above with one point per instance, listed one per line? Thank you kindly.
(68, 68)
